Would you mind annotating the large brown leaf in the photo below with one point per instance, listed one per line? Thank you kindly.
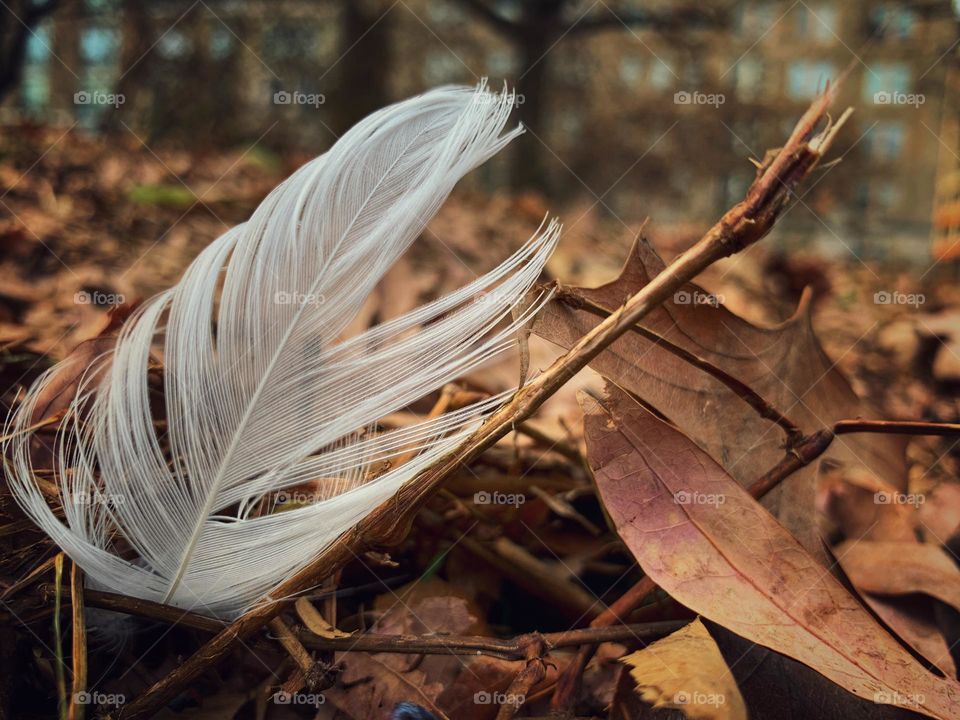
(710, 545)
(785, 364)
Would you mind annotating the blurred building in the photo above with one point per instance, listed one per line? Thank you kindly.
(634, 116)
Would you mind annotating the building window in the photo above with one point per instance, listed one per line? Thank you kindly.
(885, 78)
(748, 77)
(631, 70)
(755, 20)
(886, 140)
(662, 75)
(891, 21)
(823, 23)
(805, 78)
(98, 45)
(173, 45)
(441, 67)
(500, 63)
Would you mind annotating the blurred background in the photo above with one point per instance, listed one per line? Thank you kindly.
(133, 133)
(643, 107)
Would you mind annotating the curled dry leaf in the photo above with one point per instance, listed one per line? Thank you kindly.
(685, 670)
(784, 364)
(710, 545)
(85, 361)
(865, 511)
(315, 622)
(893, 568)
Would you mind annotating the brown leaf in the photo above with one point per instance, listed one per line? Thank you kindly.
(862, 506)
(866, 510)
(784, 364)
(89, 355)
(896, 568)
(685, 670)
(315, 622)
(940, 514)
(372, 683)
(709, 544)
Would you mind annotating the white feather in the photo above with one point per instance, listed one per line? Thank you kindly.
(259, 394)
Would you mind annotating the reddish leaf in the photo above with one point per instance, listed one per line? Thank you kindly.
(710, 545)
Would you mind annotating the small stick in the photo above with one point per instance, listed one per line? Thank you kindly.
(57, 643)
(291, 643)
(533, 672)
(548, 443)
(79, 652)
(896, 427)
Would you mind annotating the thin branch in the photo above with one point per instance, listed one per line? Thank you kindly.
(896, 427)
(799, 455)
(743, 225)
(78, 648)
(506, 649)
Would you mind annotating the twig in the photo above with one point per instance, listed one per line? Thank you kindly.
(291, 643)
(57, 640)
(801, 454)
(743, 225)
(78, 646)
(896, 427)
(506, 649)
(533, 672)
(548, 443)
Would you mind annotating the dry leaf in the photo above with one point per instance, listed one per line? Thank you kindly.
(315, 622)
(895, 568)
(709, 544)
(685, 670)
(864, 510)
(784, 364)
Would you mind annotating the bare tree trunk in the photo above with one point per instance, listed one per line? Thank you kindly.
(18, 18)
(532, 85)
(367, 50)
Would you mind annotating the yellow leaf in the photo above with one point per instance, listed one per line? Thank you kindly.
(315, 622)
(686, 671)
